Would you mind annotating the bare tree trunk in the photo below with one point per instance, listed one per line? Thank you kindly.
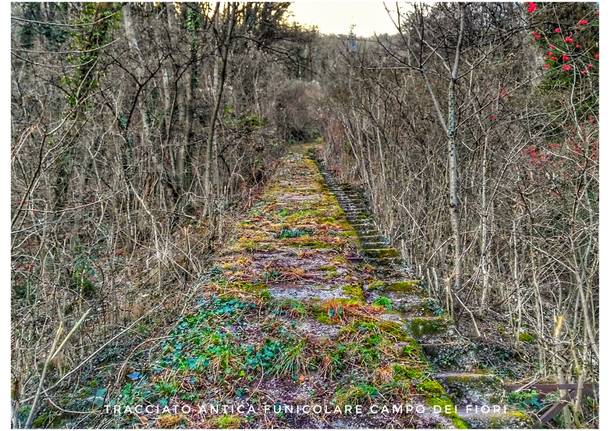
(454, 197)
(219, 87)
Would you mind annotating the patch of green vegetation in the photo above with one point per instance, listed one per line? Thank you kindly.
(251, 245)
(227, 422)
(166, 389)
(403, 372)
(433, 307)
(381, 253)
(447, 408)
(353, 291)
(383, 301)
(293, 233)
(355, 394)
(376, 285)
(265, 356)
(293, 359)
(526, 399)
(290, 307)
(411, 350)
(82, 277)
(526, 337)
(283, 212)
(410, 286)
(430, 387)
(421, 326)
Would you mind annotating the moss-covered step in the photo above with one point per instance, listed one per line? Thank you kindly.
(373, 244)
(362, 224)
(454, 353)
(468, 388)
(412, 304)
(380, 253)
(368, 232)
(400, 286)
(384, 262)
(372, 238)
(420, 327)
(355, 217)
(479, 417)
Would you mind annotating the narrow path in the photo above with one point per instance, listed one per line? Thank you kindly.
(310, 309)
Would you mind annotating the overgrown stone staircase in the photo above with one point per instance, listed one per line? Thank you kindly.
(464, 368)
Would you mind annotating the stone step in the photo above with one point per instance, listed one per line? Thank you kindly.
(423, 326)
(359, 218)
(452, 353)
(484, 417)
(359, 226)
(373, 244)
(412, 305)
(384, 261)
(380, 253)
(376, 237)
(368, 232)
(472, 388)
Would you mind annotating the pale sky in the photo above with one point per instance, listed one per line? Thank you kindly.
(334, 16)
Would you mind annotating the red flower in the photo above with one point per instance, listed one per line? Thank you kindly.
(553, 58)
(568, 39)
(531, 7)
(536, 35)
(583, 22)
(551, 46)
(557, 30)
(589, 66)
(566, 67)
(546, 65)
(492, 117)
(597, 55)
(584, 72)
(577, 46)
(565, 58)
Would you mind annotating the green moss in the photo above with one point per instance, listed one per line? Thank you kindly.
(227, 421)
(447, 408)
(403, 372)
(293, 233)
(403, 286)
(376, 285)
(251, 245)
(383, 301)
(411, 350)
(459, 423)
(394, 330)
(355, 394)
(517, 414)
(430, 387)
(354, 292)
(328, 268)
(381, 253)
(422, 326)
(526, 337)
